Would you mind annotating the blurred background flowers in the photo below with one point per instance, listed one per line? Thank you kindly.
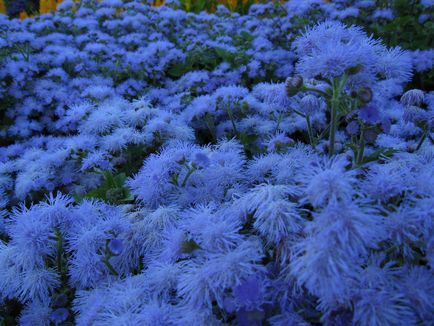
(24, 8)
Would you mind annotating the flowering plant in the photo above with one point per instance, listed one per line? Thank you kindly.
(165, 167)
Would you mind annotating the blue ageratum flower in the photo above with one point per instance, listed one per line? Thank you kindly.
(24, 273)
(116, 246)
(122, 302)
(205, 278)
(276, 217)
(59, 315)
(3, 213)
(418, 286)
(287, 318)
(413, 97)
(185, 173)
(382, 307)
(332, 49)
(95, 225)
(36, 313)
(325, 180)
(212, 229)
(213, 236)
(329, 260)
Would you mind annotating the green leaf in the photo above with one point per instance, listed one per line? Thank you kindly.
(224, 54)
(382, 152)
(188, 246)
(179, 69)
(120, 179)
(112, 190)
(109, 179)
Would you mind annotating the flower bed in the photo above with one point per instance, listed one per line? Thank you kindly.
(172, 168)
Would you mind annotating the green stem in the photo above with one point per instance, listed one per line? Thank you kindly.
(279, 120)
(361, 149)
(106, 259)
(59, 253)
(431, 139)
(309, 89)
(310, 132)
(322, 134)
(229, 111)
(338, 86)
(299, 113)
(422, 139)
(174, 180)
(187, 176)
(309, 127)
(110, 266)
(209, 121)
(333, 124)
(60, 258)
(391, 249)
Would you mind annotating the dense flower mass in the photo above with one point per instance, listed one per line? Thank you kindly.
(162, 167)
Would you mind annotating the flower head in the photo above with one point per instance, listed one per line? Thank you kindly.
(116, 246)
(59, 315)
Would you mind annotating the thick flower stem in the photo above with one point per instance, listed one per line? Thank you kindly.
(422, 139)
(310, 132)
(110, 267)
(338, 86)
(361, 149)
(312, 140)
(187, 176)
(60, 258)
(333, 123)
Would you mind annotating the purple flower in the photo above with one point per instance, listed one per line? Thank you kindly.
(50, 186)
(414, 114)
(229, 304)
(353, 128)
(423, 18)
(369, 114)
(61, 300)
(116, 246)
(310, 104)
(413, 97)
(201, 159)
(386, 125)
(370, 135)
(250, 318)
(248, 292)
(59, 315)
(293, 85)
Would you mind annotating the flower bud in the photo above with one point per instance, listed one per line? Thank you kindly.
(354, 70)
(59, 315)
(353, 128)
(309, 104)
(188, 246)
(61, 300)
(414, 114)
(293, 85)
(413, 97)
(386, 125)
(114, 195)
(365, 94)
(201, 159)
(369, 114)
(370, 135)
(116, 246)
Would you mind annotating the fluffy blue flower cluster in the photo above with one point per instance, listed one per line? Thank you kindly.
(169, 168)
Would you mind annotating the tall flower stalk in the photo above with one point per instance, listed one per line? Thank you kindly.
(338, 86)
(342, 65)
